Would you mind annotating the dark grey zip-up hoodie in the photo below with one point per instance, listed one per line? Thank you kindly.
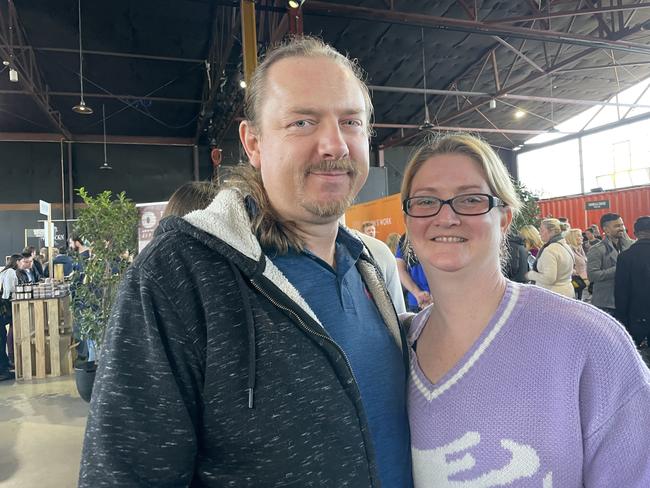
(215, 372)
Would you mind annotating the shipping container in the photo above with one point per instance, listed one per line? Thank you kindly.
(584, 210)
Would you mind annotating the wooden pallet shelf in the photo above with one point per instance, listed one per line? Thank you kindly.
(42, 338)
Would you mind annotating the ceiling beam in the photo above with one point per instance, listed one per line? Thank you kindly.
(106, 53)
(95, 139)
(461, 129)
(24, 62)
(468, 26)
(510, 96)
(106, 95)
(570, 13)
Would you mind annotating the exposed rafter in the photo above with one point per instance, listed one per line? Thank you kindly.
(24, 62)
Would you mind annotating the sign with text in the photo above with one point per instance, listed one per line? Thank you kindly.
(150, 215)
(597, 205)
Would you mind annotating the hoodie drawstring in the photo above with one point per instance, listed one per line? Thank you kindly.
(250, 328)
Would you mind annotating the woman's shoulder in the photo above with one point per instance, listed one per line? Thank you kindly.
(568, 317)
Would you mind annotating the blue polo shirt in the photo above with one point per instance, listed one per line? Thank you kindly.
(339, 298)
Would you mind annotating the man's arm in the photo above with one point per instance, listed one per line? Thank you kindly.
(595, 270)
(141, 429)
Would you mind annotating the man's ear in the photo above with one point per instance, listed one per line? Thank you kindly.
(250, 139)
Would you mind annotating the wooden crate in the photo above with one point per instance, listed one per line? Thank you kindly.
(42, 338)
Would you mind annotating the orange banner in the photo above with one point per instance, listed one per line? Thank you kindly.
(385, 213)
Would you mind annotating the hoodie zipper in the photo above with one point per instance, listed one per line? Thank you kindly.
(304, 327)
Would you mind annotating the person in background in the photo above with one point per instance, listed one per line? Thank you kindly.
(369, 229)
(516, 264)
(412, 277)
(25, 273)
(510, 385)
(632, 284)
(601, 261)
(8, 282)
(37, 266)
(532, 239)
(554, 264)
(267, 350)
(61, 256)
(579, 277)
(194, 195)
(590, 239)
(392, 241)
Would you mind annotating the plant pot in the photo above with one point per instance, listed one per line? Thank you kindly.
(84, 379)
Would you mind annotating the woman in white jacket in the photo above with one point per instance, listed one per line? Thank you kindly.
(554, 264)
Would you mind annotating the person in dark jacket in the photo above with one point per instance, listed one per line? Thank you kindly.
(253, 343)
(516, 266)
(632, 284)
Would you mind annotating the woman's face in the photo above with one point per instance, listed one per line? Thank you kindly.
(447, 241)
(544, 233)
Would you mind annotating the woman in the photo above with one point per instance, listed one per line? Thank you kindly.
(554, 265)
(574, 240)
(532, 239)
(524, 387)
(8, 282)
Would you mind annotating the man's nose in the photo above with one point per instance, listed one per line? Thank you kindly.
(332, 143)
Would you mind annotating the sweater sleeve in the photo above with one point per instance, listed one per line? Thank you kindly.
(614, 399)
(142, 425)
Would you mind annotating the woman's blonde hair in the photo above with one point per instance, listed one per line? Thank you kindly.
(572, 237)
(478, 150)
(531, 237)
(554, 226)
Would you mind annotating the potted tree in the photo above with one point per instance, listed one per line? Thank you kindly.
(109, 226)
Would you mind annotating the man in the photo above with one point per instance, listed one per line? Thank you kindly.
(632, 284)
(253, 343)
(601, 261)
(25, 273)
(37, 267)
(369, 229)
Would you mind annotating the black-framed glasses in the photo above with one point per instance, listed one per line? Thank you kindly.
(467, 204)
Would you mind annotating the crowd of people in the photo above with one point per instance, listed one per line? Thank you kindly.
(28, 268)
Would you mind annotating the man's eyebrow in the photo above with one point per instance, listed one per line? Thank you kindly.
(315, 111)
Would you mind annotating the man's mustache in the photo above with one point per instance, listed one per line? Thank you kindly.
(346, 165)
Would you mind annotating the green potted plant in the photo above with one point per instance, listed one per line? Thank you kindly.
(109, 226)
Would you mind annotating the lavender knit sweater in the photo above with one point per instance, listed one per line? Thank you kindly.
(553, 394)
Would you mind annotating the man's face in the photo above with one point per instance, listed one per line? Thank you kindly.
(311, 145)
(589, 234)
(370, 231)
(26, 263)
(614, 229)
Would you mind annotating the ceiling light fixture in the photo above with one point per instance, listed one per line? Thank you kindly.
(81, 108)
(426, 125)
(242, 84)
(519, 114)
(13, 75)
(493, 104)
(296, 3)
(105, 164)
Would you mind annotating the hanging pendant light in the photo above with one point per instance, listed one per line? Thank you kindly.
(81, 107)
(426, 125)
(105, 164)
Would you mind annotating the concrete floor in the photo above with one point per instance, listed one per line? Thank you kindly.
(41, 431)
